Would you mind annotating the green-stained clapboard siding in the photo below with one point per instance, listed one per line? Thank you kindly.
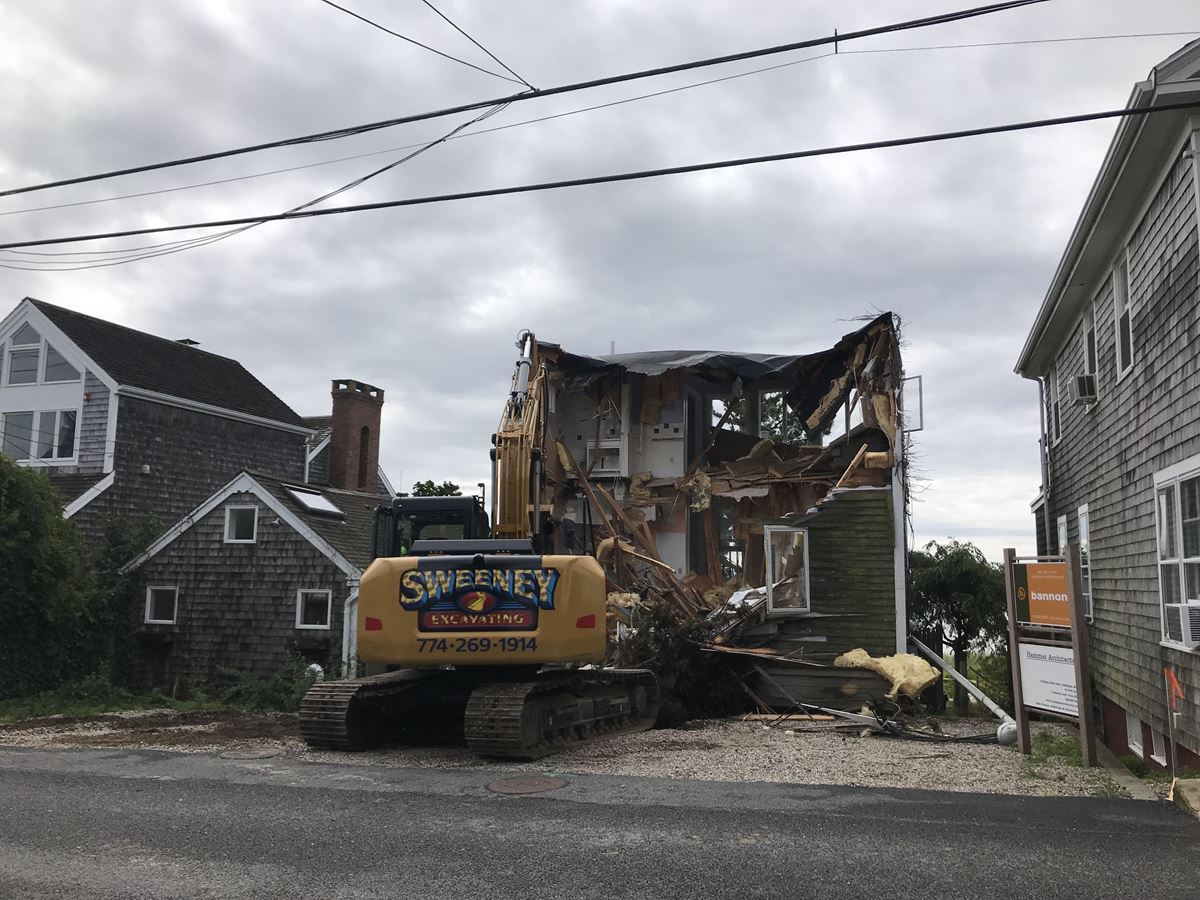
(851, 574)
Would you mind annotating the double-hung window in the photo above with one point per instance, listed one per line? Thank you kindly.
(1177, 523)
(1085, 559)
(1123, 316)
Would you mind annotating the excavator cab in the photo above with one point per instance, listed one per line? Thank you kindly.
(410, 519)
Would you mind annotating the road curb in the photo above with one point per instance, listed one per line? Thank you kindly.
(1187, 795)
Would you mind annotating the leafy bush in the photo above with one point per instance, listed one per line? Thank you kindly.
(44, 587)
(279, 693)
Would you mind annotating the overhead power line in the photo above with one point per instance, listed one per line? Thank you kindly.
(621, 176)
(495, 58)
(578, 111)
(835, 39)
(405, 37)
(133, 254)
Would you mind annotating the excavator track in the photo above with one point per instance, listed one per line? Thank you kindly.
(559, 709)
(361, 712)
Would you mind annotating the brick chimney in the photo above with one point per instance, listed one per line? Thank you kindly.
(354, 440)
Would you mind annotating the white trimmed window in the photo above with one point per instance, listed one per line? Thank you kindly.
(1122, 316)
(241, 524)
(313, 608)
(1177, 525)
(53, 437)
(161, 604)
(1085, 559)
(32, 360)
(1062, 535)
(1158, 751)
(787, 568)
(1133, 733)
(1054, 408)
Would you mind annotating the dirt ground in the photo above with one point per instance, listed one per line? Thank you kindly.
(721, 750)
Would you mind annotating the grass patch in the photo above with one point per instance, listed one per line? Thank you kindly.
(92, 696)
(1050, 747)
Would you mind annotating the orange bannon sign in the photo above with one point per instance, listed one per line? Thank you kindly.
(1043, 594)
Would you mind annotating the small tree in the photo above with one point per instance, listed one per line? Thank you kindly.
(428, 489)
(957, 594)
(44, 586)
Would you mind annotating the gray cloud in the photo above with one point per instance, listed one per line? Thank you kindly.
(961, 239)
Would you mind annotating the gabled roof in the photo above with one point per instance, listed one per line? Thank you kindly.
(350, 534)
(344, 539)
(139, 360)
(1134, 161)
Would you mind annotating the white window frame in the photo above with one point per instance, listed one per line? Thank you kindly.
(43, 354)
(1083, 522)
(1062, 535)
(1171, 478)
(229, 520)
(768, 557)
(1122, 303)
(1133, 734)
(1055, 411)
(328, 608)
(150, 589)
(1158, 747)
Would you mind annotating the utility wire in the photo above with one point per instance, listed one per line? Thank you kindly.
(405, 37)
(624, 176)
(179, 246)
(479, 45)
(574, 112)
(835, 39)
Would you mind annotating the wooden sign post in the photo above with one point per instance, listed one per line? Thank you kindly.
(1048, 647)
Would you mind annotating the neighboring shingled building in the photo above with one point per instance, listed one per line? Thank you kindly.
(126, 424)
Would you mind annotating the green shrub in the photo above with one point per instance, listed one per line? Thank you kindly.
(1136, 765)
(278, 693)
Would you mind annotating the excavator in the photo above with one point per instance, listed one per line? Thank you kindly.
(474, 623)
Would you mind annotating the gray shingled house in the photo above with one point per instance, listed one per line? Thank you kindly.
(128, 424)
(260, 571)
(1115, 350)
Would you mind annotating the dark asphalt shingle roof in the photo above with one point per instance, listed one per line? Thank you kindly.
(349, 534)
(146, 361)
(322, 425)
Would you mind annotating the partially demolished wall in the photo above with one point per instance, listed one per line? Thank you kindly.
(693, 475)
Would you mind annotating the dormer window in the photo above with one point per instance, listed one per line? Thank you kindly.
(29, 355)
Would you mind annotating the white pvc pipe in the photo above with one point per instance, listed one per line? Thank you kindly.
(974, 691)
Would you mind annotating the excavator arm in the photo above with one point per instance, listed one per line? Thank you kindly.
(518, 446)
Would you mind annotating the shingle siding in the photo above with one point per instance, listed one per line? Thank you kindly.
(236, 609)
(1108, 454)
(190, 454)
(93, 427)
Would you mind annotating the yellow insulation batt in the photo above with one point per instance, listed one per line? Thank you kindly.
(908, 674)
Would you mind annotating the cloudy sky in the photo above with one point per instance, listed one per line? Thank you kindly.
(960, 239)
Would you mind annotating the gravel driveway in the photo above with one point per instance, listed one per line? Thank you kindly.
(724, 750)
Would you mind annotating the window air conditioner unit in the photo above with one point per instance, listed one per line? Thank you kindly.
(1083, 390)
(1189, 622)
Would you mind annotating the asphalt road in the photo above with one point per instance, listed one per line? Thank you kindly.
(120, 824)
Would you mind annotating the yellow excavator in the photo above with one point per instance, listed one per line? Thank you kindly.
(476, 624)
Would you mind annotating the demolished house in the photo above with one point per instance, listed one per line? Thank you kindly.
(767, 487)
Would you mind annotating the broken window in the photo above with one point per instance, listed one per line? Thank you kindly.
(778, 422)
(732, 410)
(787, 568)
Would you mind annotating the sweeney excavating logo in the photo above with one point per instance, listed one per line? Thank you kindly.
(477, 599)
